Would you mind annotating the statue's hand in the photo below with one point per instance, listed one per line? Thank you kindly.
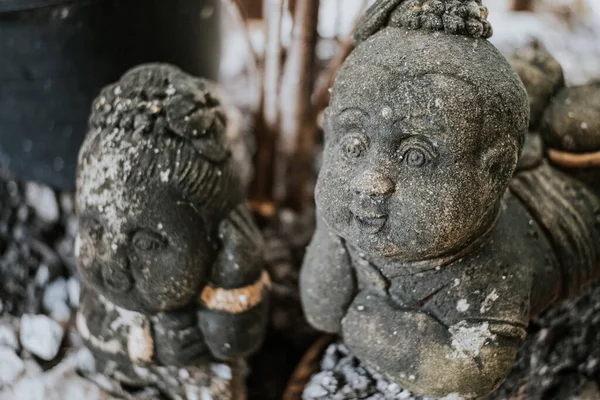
(178, 340)
(234, 303)
(241, 259)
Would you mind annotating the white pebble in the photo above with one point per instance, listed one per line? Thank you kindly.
(315, 391)
(55, 292)
(393, 388)
(41, 336)
(223, 371)
(405, 394)
(11, 366)
(42, 275)
(61, 313)
(43, 200)
(8, 337)
(74, 291)
(55, 300)
(85, 360)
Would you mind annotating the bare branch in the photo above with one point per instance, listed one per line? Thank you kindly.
(273, 12)
(266, 125)
(320, 96)
(523, 5)
(297, 117)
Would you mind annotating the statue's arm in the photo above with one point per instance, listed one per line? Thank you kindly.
(421, 353)
(234, 304)
(327, 280)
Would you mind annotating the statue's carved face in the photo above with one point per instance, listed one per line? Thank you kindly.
(141, 246)
(404, 172)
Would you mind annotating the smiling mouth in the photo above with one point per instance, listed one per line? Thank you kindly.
(372, 224)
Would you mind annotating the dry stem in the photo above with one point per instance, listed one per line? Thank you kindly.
(297, 118)
(267, 119)
(523, 5)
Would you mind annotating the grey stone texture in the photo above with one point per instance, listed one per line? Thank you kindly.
(432, 252)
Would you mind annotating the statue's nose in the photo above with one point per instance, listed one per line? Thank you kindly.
(115, 272)
(373, 184)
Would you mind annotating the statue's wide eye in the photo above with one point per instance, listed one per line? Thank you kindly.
(148, 241)
(415, 157)
(415, 153)
(354, 145)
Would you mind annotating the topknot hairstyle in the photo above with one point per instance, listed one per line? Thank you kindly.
(158, 121)
(160, 99)
(457, 17)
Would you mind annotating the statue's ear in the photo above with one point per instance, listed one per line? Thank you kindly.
(501, 161)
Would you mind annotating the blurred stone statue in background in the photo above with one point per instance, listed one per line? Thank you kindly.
(169, 255)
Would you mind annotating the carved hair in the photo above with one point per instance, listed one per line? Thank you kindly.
(457, 17)
(166, 124)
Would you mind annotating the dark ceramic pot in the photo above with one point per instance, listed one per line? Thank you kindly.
(55, 55)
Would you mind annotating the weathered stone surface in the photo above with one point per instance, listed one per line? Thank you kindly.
(542, 76)
(431, 254)
(572, 120)
(170, 258)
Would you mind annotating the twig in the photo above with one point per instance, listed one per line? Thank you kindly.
(320, 96)
(266, 125)
(273, 11)
(297, 117)
(522, 5)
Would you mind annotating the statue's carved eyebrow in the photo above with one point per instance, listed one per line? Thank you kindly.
(405, 127)
(350, 114)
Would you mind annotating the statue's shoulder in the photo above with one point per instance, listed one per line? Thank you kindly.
(494, 281)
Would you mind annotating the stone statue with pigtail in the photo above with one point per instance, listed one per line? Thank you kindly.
(432, 249)
(170, 258)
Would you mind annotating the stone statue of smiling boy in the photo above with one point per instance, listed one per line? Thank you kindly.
(429, 257)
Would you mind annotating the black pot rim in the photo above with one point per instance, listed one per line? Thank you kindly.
(22, 5)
